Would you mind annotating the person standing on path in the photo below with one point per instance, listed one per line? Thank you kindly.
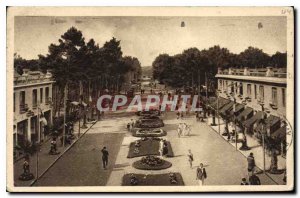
(201, 175)
(190, 158)
(254, 180)
(244, 182)
(104, 157)
(251, 163)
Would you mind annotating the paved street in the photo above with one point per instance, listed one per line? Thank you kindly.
(82, 165)
(45, 160)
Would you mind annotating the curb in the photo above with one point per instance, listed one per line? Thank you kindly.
(73, 143)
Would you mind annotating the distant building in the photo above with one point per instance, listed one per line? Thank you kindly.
(32, 97)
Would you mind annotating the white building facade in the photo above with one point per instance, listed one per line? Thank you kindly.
(254, 87)
(32, 106)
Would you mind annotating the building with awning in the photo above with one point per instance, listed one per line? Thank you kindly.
(261, 90)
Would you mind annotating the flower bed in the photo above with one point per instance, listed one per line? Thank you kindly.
(149, 123)
(168, 179)
(147, 113)
(149, 133)
(151, 162)
(147, 146)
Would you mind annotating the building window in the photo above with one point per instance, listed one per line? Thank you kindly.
(47, 95)
(34, 98)
(283, 97)
(23, 106)
(274, 96)
(255, 92)
(249, 90)
(261, 94)
(241, 89)
(41, 95)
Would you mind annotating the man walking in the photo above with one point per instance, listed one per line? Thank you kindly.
(104, 157)
(251, 163)
(201, 175)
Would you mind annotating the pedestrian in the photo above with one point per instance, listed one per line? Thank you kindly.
(228, 137)
(251, 163)
(201, 175)
(161, 147)
(165, 148)
(104, 157)
(179, 130)
(190, 158)
(178, 114)
(26, 167)
(254, 180)
(244, 182)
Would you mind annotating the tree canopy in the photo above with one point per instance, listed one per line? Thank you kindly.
(192, 66)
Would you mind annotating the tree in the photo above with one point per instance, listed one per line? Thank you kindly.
(254, 58)
(279, 60)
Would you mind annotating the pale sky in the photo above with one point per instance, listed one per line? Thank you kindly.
(147, 37)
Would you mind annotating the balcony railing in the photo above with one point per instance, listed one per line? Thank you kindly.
(267, 72)
(23, 108)
(30, 79)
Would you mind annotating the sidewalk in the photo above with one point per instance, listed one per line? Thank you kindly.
(45, 160)
(256, 149)
(207, 147)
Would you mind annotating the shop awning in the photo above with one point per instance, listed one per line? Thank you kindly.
(279, 134)
(258, 116)
(226, 108)
(222, 103)
(245, 114)
(238, 108)
(271, 121)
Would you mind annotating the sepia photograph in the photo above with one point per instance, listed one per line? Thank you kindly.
(150, 99)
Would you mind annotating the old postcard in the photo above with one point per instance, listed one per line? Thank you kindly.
(150, 99)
